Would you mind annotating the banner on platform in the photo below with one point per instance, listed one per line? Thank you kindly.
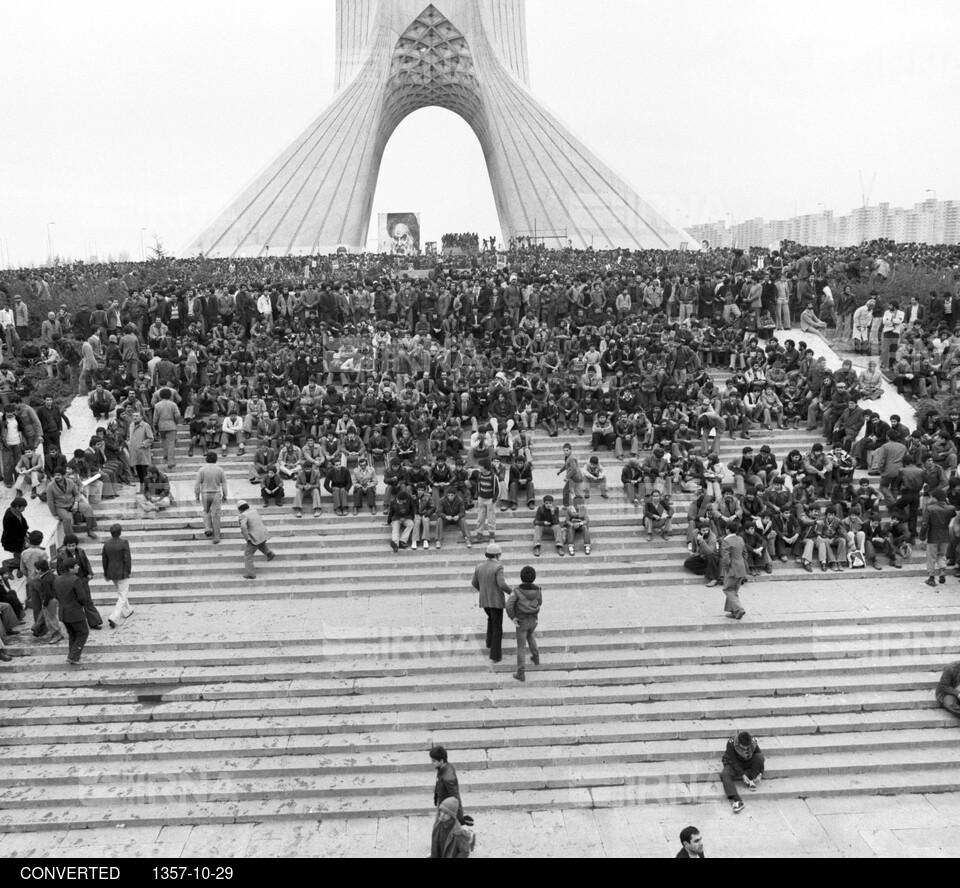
(399, 233)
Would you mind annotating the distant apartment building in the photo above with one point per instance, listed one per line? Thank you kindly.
(930, 222)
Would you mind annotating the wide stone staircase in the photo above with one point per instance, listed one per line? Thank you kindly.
(334, 719)
(339, 726)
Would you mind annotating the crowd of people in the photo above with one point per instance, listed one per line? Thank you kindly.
(468, 241)
(332, 374)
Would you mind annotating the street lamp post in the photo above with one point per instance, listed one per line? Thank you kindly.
(143, 252)
(49, 244)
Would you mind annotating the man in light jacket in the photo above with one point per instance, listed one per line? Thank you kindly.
(63, 498)
(255, 534)
(166, 418)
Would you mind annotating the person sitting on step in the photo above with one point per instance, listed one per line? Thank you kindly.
(658, 516)
(577, 521)
(948, 688)
(742, 761)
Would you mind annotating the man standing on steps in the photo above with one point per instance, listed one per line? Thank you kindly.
(935, 532)
(489, 582)
(573, 481)
(139, 442)
(255, 535)
(166, 418)
(447, 786)
(72, 613)
(210, 489)
(734, 570)
(117, 569)
(742, 760)
(488, 493)
(523, 607)
(15, 528)
(52, 421)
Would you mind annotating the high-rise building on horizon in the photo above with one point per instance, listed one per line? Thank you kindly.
(931, 221)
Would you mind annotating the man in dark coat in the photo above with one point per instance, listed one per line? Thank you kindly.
(948, 690)
(72, 614)
(447, 786)
(71, 551)
(742, 760)
(489, 582)
(449, 838)
(117, 569)
(692, 843)
(52, 420)
(15, 528)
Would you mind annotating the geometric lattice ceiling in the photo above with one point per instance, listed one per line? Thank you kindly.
(432, 64)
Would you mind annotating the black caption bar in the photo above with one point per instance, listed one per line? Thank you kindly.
(146, 871)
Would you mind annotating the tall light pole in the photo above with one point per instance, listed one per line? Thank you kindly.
(49, 244)
(143, 252)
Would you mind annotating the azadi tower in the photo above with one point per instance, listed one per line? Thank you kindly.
(470, 56)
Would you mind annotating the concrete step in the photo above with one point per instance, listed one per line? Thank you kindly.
(459, 650)
(640, 777)
(267, 763)
(51, 689)
(530, 789)
(331, 549)
(177, 708)
(172, 591)
(228, 718)
(326, 552)
(400, 643)
(816, 728)
(554, 684)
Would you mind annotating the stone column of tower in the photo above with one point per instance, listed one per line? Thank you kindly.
(394, 57)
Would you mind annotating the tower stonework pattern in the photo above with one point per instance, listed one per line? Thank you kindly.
(469, 56)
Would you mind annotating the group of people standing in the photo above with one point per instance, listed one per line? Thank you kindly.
(57, 590)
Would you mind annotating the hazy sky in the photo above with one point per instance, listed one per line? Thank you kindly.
(121, 116)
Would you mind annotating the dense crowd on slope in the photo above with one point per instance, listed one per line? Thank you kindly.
(330, 374)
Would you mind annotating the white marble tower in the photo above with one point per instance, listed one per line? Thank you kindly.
(394, 57)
